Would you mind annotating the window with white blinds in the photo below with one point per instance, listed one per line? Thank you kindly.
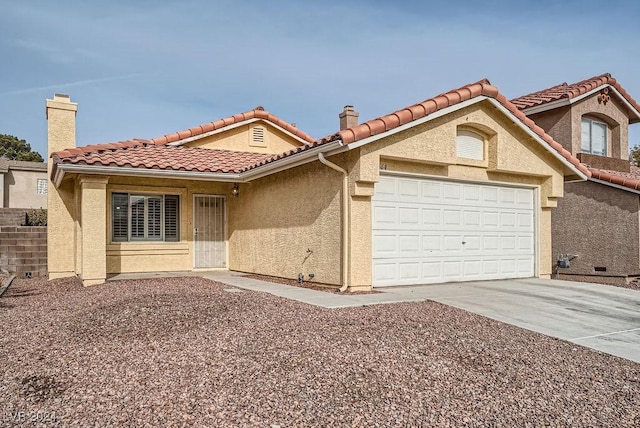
(469, 145)
(594, 137)
(145, 217)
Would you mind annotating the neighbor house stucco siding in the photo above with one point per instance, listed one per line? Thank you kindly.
(595, 223)
(20, 189)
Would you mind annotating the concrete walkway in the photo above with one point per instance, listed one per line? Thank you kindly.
(601, 317)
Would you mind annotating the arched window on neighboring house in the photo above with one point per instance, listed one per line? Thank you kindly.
(469, 144)
(594, 136)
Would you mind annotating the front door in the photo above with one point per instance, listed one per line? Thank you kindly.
(210, 247)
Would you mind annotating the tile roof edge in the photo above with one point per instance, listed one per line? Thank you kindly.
(601, 175)
(408, 114)
(583, 87)
(257, 113)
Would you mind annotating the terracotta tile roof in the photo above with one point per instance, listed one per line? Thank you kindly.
(569, 91)
(417, 111)
(626, 179)
(154, 156)
(98, 153)
(257, 113)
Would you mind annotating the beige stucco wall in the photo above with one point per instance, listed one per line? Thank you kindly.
(277, 219)
(153, 256)
(430, 150)
(21, 189)
(270, 226)
(239, 139)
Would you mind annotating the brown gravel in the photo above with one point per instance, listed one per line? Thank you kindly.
(183, 352)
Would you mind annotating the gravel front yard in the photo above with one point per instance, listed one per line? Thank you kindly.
(182, 352)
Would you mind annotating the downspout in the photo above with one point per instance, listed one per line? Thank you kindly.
(345, 219)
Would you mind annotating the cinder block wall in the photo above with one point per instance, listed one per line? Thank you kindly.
(23, 250)
(12, 216)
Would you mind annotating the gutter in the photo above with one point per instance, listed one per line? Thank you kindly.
(345, 220)
(309, 155)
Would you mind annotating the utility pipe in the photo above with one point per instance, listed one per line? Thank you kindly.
(345, 220)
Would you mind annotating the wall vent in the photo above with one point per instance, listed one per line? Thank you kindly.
(258, 136)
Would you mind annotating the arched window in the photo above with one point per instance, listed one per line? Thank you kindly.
(469, 145)
(594, 137)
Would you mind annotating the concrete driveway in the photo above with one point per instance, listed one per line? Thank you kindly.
(601, 317)
(598, 316)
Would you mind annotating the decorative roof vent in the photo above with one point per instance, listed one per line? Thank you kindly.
(258, 137)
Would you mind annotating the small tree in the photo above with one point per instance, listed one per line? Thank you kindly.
(14, 148)
(634, 155)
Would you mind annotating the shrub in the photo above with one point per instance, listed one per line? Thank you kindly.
(37, 217)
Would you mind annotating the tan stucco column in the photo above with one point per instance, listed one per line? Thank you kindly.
(93, 220)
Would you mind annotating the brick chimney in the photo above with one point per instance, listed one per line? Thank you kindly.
(61, 123)
(348, 118)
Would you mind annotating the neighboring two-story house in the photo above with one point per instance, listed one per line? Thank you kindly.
(597, 222)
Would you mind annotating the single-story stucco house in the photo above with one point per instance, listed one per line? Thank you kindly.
(458, 187)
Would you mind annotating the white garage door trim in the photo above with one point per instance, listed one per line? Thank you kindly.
(429, 230)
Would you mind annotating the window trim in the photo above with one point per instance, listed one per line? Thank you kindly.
(591, 122)
(129, 217)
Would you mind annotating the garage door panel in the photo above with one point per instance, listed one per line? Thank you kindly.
(409, 271)
(427, 231)
(409, 216)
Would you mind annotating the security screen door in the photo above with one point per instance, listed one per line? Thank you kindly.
(209, 232)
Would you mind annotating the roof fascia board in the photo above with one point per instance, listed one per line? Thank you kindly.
(141, 172)
(537, 138)
(252, 174)
(617, 186)
(233, 126)
(417, 122)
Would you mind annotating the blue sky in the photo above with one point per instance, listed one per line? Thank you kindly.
(147, 68)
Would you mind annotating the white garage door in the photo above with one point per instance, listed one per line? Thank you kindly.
(430, 231)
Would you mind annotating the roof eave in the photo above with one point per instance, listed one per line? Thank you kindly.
(568, 101)
(617, 186)
(291, 161)
(62, 169)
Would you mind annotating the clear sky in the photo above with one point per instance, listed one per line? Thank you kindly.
(147, 68)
